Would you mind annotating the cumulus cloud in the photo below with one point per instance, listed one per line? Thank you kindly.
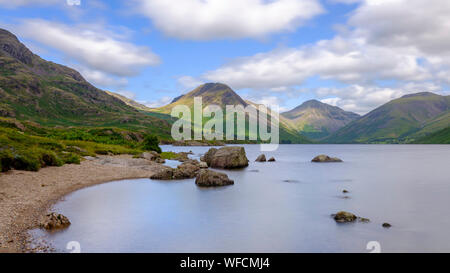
(92, 46)
(188, 82)
(362, 99)
(100, 78)
(158, 103)
(217, 19)
(348, 60)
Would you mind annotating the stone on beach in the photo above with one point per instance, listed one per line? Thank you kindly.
(208, 178)
(54, 221)
(325, 158)
(261, 158)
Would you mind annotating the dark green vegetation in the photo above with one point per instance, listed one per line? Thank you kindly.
(442, 137)
(50, 94)
(28, 146)
(403, 120)
(317, 120)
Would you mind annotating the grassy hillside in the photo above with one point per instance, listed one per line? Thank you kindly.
(54, 95)
(317, 120)
(439, 137)
(399, 121)
(29, 146)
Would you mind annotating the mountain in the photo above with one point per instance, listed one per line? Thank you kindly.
(400, 120)
(222, 95)
(55, 95)
(316, 120)
(211, 93)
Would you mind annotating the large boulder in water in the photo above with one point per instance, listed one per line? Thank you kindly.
(209, 156)
(261, 158)
(345, 217)
(208, 178)
(54, 221)
(325, 158)
(228, 158)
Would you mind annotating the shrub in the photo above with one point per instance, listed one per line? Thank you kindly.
(6, 160)
(51, 159)
(150, 143)
(27, 161)
(71, 158)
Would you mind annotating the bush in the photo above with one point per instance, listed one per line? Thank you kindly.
(71, 159)
(6, 160)
(27, 161)
(150, 143)
(51, 159)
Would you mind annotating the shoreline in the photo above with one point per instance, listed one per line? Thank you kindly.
(26, 197)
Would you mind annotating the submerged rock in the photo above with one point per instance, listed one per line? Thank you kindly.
(54, 221)
(208, 178)
(226, 158)
(272, 159)
(261, 158)
(345, 217)
(325, 158)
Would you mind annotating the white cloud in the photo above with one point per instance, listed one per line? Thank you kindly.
(100, 78)
(217, 19)
(349, 60)
(188, 82)
(362, 99)
(92, 46)
(127, 94)
(158, 103)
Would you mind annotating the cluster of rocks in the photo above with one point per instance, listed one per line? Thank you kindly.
(262, 158)
(186, 170)
(54, 221)
(153, 156)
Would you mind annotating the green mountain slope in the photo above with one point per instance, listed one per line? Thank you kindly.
(54, 95)
(439, 137)
(316, 120)
(400, 120)
(222, 95)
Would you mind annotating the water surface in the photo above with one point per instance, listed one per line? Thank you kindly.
(283, 206)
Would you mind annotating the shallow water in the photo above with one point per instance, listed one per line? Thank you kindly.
(283, 206)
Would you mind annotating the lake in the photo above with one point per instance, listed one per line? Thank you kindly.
(283, 206)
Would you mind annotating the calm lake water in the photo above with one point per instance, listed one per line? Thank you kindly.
(405, 185)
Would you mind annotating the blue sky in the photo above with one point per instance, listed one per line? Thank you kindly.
(337, 51)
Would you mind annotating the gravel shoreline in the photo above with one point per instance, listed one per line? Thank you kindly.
(26, 197)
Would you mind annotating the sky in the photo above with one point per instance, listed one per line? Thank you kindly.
(355, 54)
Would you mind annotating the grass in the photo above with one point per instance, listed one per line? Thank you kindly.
(25, 146)
(169, 155)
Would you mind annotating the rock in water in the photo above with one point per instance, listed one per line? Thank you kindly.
(272, 159)
(261, 158)
(345, 217)
(208, 178)
(203, 165)
(209, 156)
(186, 171)
(163, 174)
(227, 158)
(387, 225)
(325, 158)
(54, 221)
